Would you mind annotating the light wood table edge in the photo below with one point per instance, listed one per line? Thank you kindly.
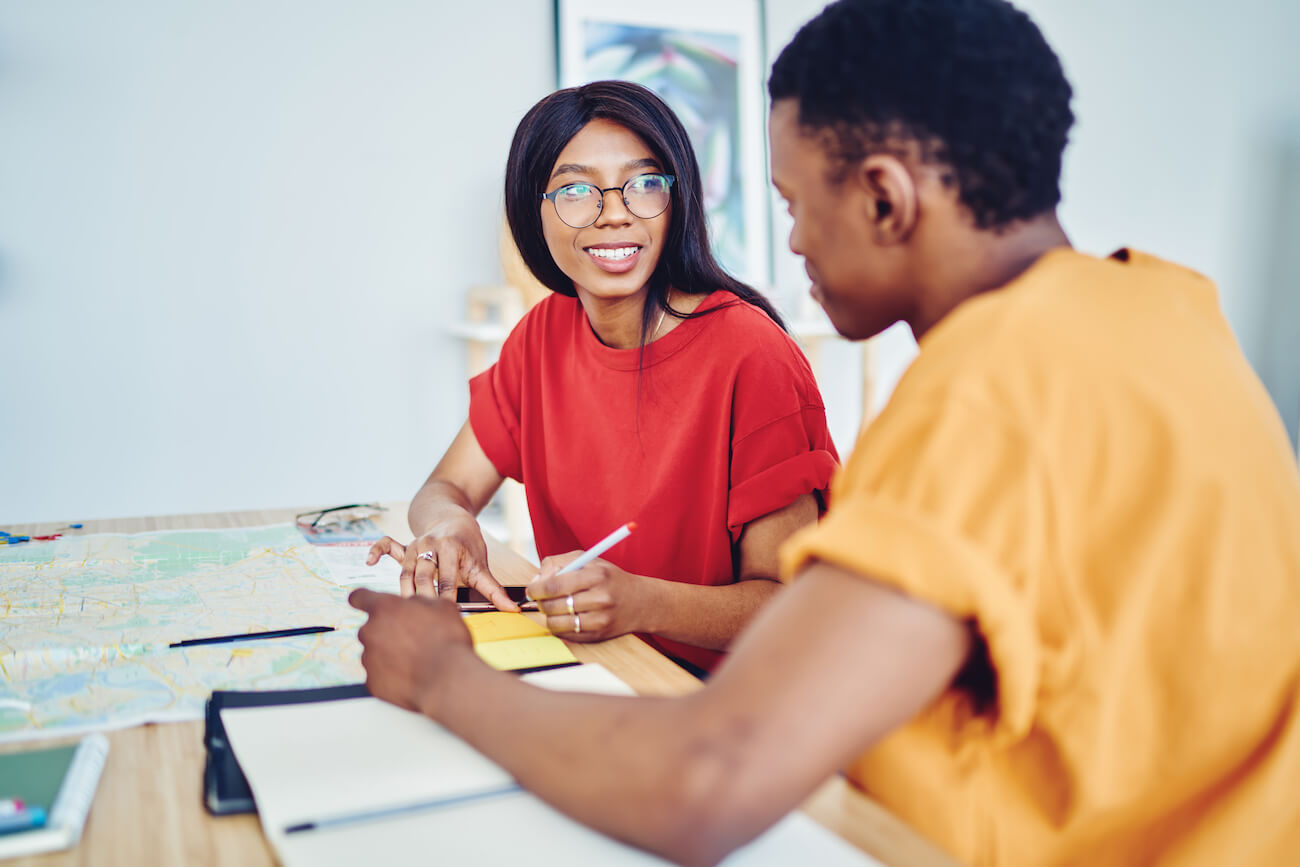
(148, 766)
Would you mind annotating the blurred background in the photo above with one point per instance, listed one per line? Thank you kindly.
(243, 244)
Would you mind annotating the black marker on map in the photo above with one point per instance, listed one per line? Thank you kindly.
(249, 636)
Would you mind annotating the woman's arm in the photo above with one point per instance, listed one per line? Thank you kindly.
(449, 549)
(459, 486)
(712, 616)
(608, 601)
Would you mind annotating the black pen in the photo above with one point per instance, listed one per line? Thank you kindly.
(401, 809)
(248, 636)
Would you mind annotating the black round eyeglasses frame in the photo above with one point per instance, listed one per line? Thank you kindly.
(622, 192)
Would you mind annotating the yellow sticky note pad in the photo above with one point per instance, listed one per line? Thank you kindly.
(524, 652)
(508, 641)
(501, 626)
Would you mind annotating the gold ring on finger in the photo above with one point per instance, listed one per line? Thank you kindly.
(577, 624)
(568, 600)
(425, 555)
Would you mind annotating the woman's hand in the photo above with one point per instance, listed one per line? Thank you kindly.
(405, 645)
(449, 555)
(596, 602)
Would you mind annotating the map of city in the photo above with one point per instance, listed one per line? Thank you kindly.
(85, 624)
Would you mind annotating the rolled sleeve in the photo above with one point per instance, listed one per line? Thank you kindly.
(914, 511)
(495, 421)
(879, 542)
(778, 463)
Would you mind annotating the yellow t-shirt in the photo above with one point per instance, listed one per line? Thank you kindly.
(1083, 465)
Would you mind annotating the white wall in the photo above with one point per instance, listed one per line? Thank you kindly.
(231, 233)
(1188, 146)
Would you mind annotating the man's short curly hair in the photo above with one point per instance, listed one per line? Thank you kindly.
(972, 82)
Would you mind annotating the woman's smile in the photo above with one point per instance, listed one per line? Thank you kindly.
(616, 257)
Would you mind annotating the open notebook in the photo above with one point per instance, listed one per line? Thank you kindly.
(425, 796)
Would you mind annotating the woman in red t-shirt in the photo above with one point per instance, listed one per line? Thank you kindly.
(651, 387)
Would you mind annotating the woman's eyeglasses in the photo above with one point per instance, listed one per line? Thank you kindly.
(338, 516)
(579, 205)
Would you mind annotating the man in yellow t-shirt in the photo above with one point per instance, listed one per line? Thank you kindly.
(1082, 467)
(1052, 614)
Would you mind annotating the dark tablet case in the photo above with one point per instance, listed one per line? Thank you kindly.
(225, 790)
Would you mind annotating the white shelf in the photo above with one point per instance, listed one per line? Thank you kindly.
(487, 332)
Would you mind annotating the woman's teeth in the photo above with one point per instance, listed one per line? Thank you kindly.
(612, 252)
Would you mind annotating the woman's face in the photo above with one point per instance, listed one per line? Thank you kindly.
(614, 256)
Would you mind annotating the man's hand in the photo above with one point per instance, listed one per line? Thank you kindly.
(407, 645)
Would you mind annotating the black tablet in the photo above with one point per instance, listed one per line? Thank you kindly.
(225, 791)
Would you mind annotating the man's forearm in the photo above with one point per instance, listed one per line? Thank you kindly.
(616, 764)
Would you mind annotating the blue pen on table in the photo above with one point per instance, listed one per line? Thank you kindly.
(599, 548)
(22, 820)
(249, 636)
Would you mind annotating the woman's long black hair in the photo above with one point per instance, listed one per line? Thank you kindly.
(687, 263)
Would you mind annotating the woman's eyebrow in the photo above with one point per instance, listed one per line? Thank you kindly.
(646, 163)
(570, 169)
(577, 169)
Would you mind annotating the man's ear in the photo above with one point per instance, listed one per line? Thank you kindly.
(890, 196)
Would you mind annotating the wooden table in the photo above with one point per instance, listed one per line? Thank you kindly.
(149, 805)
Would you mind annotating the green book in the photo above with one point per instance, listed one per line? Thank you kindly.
(61, 781)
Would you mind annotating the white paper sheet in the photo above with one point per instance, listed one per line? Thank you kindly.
(347, 567)
(309, 761)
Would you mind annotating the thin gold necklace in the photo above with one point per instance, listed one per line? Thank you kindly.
(662, 314)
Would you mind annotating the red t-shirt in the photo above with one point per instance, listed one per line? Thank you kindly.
(723, 424)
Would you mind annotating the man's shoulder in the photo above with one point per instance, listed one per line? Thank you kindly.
(1069, 306)
(1071, 327)
(1065, 284)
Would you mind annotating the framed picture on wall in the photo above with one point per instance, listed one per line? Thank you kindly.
(704, 58)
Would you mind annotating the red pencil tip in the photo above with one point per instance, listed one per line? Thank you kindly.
(631, 525)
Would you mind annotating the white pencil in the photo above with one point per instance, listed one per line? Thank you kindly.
(600, 547)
